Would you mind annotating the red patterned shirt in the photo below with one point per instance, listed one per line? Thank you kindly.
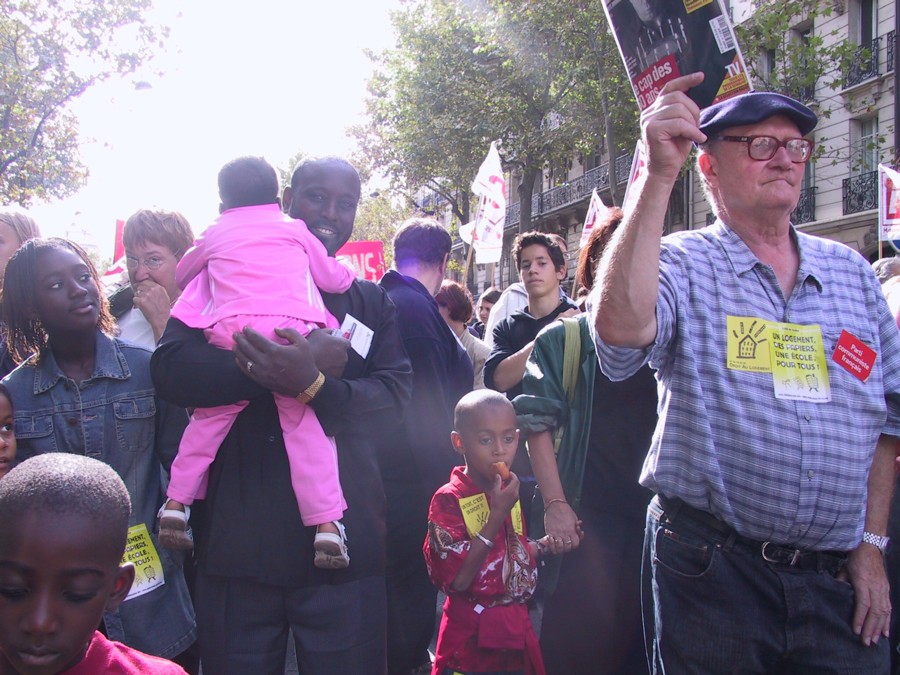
(486, 628)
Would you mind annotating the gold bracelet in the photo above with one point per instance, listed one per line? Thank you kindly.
(554, 501)
(484, 540)
(310, 392)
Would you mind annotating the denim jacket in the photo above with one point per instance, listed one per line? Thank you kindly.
(114, 416)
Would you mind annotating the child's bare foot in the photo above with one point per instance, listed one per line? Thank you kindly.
(174, 532)
(331, 546)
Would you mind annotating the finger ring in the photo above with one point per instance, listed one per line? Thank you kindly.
(568, 541)
(249, 366)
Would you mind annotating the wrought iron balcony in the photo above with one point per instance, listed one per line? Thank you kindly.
(864, 64)
(572, 192)
(860, 192)
(806, 207)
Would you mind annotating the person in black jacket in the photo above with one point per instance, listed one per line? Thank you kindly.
(421, 457)
(542, 268)
(256, 578)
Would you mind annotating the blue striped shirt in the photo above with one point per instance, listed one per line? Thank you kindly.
(792, 472)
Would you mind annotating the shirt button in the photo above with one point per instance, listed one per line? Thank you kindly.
(810, 473)
(72, 421)
(807, 418)
(271, 439)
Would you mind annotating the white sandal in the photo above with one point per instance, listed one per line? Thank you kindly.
(174, 531)
(331, 549)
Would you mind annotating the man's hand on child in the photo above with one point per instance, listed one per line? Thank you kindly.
(285, 369)
(329, 350)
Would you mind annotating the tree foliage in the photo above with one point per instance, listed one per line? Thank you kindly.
(785, 54)
(378, 218)
(522, 72)
(51, 53)
(787, 51)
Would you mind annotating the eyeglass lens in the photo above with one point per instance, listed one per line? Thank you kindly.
(765, 147)
(149, 263)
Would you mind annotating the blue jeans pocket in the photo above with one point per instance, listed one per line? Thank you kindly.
(683, 554)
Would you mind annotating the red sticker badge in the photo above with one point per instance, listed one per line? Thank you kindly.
(854, 356)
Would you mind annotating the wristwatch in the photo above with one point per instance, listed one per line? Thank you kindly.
(876, 540)
(310, 392)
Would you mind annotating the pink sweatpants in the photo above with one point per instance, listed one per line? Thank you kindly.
(312, 456)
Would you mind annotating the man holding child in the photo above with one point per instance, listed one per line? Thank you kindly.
(256, 577)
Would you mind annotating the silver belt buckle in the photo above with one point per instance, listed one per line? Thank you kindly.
(794, 558)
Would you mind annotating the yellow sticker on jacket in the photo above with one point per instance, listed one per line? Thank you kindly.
(475, 512)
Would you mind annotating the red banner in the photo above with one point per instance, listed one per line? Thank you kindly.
(366, 257)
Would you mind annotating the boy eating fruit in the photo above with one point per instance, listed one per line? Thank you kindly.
(477, 552)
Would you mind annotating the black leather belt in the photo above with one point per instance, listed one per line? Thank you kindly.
(777, 554)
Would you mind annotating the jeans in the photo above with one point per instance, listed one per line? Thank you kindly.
(719, 607)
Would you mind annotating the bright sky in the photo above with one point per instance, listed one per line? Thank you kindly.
(268, 77)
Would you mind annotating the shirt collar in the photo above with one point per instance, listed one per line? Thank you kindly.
(109, 363)
(743, 259)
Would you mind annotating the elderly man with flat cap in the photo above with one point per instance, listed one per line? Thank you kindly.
(779, 371)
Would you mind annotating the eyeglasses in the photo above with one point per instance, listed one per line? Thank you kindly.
(762, 148)
(152, 263)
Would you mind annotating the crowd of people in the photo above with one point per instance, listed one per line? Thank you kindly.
(687, 467)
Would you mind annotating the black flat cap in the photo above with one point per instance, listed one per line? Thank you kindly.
(755, 107)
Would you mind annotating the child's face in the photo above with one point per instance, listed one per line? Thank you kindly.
(57, 576)
(491, 437)
(7, 436)
(66, 298)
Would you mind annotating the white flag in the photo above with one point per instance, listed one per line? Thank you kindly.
(596, 210)
(490, 185)
(466, 231)
(888, 204)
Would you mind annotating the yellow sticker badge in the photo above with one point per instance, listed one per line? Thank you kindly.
(148, 569)
(748, 344)
(799, 368)
(475, 512)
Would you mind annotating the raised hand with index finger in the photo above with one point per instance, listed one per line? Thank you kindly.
(670, 126)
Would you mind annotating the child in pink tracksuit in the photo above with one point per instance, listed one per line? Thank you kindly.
(256, 266)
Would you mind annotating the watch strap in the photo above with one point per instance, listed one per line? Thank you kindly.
(876, 540)
(310, 392)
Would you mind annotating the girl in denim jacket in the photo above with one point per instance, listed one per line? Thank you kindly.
(82, 391)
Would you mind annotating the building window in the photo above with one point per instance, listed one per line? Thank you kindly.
(806, 206)
(864, 22)
(863, 32)
(802, 88)
(767, 67)
(863, 145)
(808, 176)
(859, 190)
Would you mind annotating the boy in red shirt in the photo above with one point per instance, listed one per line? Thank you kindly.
(477, 552)
(63, 527)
